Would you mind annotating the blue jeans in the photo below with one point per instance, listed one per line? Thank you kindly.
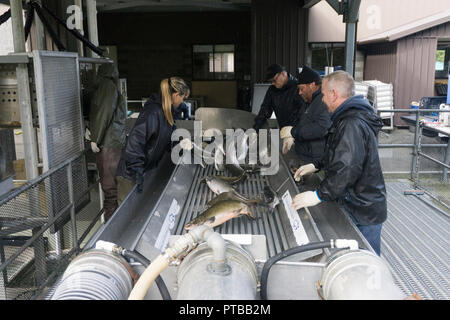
(373, 235)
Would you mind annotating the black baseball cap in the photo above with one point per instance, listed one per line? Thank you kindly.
(273, 69)
(308, 75)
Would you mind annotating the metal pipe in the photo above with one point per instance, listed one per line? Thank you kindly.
(434, 160)
(29, 134)
(350, 47)
(410, 145)
(94, 60)
(91, 9)
(79, 4)
(72, 207)
(415, 148)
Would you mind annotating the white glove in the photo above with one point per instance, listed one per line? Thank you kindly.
(286, 132)
(94, 147)
(186, 144)
(304, 170)
(87, 134)
(306, 199)
(287, 144)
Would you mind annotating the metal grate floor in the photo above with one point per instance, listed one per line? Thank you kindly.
(415, 243)
(265, 224)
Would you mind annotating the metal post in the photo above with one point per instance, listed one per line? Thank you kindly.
(4, 277)
(91, 10)
(416, 142)
(72, 207)
(26, 118)
(79, 3)
(446, 161)
(350, 47)
(419, 149)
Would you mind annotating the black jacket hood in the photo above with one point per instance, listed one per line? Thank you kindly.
(356, 104)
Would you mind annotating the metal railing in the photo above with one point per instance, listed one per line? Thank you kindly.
(417, 145)
(29, 266)
(417, 153)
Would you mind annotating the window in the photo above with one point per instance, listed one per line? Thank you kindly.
(327, 54)
(213, 62)
(442, 59)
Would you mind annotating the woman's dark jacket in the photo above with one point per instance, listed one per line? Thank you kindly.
(148, 140)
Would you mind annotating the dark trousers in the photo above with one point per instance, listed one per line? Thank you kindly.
(107, 161)
(373, 235)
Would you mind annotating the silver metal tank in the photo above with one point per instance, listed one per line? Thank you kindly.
(358, 275)
(198, 281)
(95, 275)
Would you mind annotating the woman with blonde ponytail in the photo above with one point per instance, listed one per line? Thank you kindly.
(151, 135)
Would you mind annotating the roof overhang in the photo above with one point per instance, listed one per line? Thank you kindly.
(408, 29)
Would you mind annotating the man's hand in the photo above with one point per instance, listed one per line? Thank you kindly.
(94, 147)
(305, 199)
(287, 144)
(139, 182)
(304, 170)
(286, 132)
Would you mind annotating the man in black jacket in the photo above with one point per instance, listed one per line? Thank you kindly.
(313, 120)
(352, 168)
(281, 97)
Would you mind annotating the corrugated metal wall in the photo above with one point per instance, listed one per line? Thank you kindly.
(279, 35)
(380, 62)
(416, 58)
(408, 63)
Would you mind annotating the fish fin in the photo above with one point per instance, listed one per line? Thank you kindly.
(250, 215)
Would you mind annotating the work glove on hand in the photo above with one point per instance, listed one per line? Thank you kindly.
(94, 147)
(286, 132)
(87, 134)
(186, 144)
(287, 144)
(304, 170)
(306, 199)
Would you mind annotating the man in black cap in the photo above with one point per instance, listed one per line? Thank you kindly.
(313, 120)
(281, 98)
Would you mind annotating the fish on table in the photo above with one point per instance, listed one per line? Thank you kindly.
(234, 195)
(219, 213)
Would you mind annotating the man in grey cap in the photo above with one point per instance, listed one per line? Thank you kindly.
(281, 98)
(313, 120)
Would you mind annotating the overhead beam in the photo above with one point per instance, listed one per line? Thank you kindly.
(352, 11)
(156, 3)
(335, 4)
(310, 3)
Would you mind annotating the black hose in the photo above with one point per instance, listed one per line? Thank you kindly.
(29, 21)
(269, 263)
(48, 27)
(4, 17)
(145, 262)
(74, 32)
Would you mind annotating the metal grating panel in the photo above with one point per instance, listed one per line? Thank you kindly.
(60, 120)
(415, 243)
(266, 224)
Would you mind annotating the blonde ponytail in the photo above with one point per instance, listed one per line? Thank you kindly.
(168, 87)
